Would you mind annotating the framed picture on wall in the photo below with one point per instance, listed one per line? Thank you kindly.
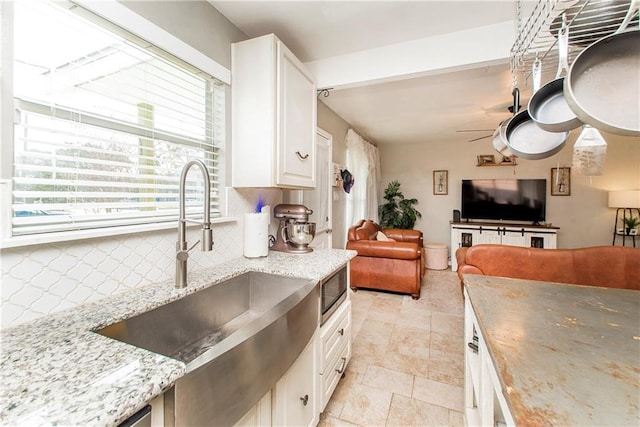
(560, 181)
(440, 182)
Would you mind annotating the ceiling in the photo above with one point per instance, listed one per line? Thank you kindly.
(415, 107)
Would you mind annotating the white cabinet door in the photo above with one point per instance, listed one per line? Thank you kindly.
(485, 235)
(295, 396)
(259, 415)
(319, 199)
(273, 116)
(514, 237)
(297, 124)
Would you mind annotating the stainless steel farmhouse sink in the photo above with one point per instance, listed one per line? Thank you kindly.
(237, 338)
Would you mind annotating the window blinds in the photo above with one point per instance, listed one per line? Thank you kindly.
(103, 126)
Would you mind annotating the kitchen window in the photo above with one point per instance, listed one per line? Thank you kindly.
(103, 123)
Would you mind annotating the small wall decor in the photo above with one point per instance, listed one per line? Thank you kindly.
(561, 181)
(441, 182)
(486, 159)
(337, 177)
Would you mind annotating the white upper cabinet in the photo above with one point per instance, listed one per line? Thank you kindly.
(273, 116)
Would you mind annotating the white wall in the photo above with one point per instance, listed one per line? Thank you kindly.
(583, 217)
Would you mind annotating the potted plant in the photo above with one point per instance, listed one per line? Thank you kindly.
(630, 223)
(397, 212)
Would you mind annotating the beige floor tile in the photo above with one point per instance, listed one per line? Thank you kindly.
(341, 393)
(394, 339)
(385, 308)
(438, 393)
(376, 330)
(410, 341)
(446, 366)
(414, 315)
(456, 419)
(366, 405)
(452, 343)
(335, 422)
(407, 412)
(447, 323)
(408, 364)
(389, 380)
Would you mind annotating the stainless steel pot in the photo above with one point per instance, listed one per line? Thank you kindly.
(603, 87)
(528, 141)
(499, 139)
(548, 107)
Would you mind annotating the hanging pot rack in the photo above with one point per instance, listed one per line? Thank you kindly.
(587, 21)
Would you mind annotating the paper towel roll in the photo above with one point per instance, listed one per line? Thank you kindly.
(256, 235)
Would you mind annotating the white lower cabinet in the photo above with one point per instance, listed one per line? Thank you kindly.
(469, 234)
(335, 350)
(484, 401)
(295, 397)
(259, 415)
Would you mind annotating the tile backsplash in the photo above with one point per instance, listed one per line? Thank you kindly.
(43, 279)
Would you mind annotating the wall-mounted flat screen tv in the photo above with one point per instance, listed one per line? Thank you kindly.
(504, 199)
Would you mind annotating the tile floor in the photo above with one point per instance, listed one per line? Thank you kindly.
(407, 359)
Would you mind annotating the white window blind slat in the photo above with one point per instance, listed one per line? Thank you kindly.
(104, 125)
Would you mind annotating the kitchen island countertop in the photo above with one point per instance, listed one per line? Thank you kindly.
(564, 354)
(56, 371)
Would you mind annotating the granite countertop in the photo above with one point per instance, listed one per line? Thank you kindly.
(56, 371)
(564, 354)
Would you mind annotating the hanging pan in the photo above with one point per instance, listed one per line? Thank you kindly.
(499, 139)
(528, 141)
(548, 107)
(602, 86)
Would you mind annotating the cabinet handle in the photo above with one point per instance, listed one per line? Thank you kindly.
(305, 400)
(341, 331)
(305, 157)
(344, 365)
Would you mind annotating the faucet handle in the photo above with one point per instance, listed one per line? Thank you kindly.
(183, 254)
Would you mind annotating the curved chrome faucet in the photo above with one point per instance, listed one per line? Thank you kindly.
(182, 252)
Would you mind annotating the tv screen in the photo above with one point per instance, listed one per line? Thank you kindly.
(504, 199)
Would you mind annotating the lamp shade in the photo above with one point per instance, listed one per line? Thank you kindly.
(624, 199)
(589, 152)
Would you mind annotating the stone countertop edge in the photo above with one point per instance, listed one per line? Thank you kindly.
(56, 371)
(564, 354)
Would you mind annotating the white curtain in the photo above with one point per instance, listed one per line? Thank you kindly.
(363, 162)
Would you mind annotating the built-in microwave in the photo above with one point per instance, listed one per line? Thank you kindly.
(333, 293)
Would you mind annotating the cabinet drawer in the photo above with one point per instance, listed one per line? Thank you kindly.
(334, 334)
(331, 376)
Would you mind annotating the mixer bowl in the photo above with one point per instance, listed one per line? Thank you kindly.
(300, 235)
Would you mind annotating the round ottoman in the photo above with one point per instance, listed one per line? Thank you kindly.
(436, 256)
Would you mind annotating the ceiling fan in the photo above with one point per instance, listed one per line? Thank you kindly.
(478, 130)
(508, 108)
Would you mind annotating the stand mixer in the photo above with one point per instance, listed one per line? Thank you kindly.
(295, 232)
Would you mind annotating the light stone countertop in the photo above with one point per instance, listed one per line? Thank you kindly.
(56, 371)
(565, 355)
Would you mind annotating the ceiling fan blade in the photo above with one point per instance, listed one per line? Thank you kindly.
(478, 139)
(475, 130)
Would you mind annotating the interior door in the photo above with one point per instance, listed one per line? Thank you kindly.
(319, 199)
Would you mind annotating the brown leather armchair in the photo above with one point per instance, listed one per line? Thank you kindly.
(395, 266)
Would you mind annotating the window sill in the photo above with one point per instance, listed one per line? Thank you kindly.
(67, 236)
